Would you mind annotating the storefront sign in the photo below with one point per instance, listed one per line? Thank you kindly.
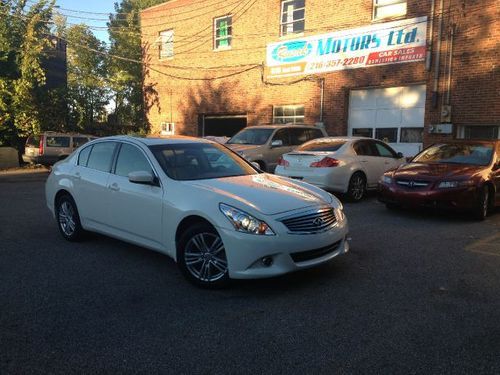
(381, 44)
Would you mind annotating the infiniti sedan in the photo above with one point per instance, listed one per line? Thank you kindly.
(348, 165)
(461, 175)
(198, 202)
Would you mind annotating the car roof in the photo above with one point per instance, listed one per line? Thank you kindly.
(152, 141)
(281, 126)
(343, 138)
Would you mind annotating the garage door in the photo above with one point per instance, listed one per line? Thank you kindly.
(223, 126)
(393, 114)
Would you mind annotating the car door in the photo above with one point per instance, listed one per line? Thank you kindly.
(496, 175)
(135, 210)
(275, 152)
(91, 183)
(368, 160)
(389, 158)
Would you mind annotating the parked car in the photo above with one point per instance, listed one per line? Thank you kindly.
(198, 202)
(50, 147)
(463, 175)
(264, 144)
(340, 164)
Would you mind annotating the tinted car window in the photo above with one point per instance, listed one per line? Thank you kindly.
(385, 151)
(131, 159)
(33, 141)
(101, 156)
(57, 141)
(364, 148)
(78, 141)
(322, 145)
(251, 136)
(198, 161)
(299, 136)
(282, 135)
(475, 154)
(315, 133)
(83, 158)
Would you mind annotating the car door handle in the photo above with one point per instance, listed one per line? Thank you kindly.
(114, 187)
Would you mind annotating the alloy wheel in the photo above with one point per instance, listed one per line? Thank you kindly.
(357, 187)
(67, 218)
(205, 257)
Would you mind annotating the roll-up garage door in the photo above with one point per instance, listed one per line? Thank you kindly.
(223, 126)
(392, 114)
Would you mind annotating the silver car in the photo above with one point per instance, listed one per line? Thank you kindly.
(264, 144)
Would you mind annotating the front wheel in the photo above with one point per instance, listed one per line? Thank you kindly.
(68, 219)
(202, 257)
(482, 205)
(357, 187)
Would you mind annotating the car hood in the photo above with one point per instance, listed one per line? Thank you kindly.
(435, 171)
(265, 193)
(242, 148)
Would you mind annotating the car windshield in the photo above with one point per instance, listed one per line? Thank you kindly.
(468, 153)
(251, 136)
(33, 141)
(322, 145)
(199, 161)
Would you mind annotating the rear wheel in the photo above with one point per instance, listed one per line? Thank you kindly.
(357, 187)
(202, 257)
(483, 203)
(68, 220)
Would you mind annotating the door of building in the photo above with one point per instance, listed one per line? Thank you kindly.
(394, 115)
(223, 126)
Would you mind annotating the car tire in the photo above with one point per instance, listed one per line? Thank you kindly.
(357, 187)
(202, 258)
(68, 219)
(483, 204)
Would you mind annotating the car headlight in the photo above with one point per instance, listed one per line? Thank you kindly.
(244, 222)
(386, 180)
(339, 214)
(455, 184)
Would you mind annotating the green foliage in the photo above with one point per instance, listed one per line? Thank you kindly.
(87, 79)
(126, 78)
(24, 43)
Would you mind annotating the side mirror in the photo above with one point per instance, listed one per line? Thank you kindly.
(255, 165)
(277, 143)
(400, 155)
(142, 177)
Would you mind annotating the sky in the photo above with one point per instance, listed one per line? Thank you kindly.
(100, 6)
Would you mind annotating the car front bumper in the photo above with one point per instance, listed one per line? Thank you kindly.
(459, 198)
(247, 253)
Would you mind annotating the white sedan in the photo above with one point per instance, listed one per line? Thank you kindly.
(199, 203)
(341, 164)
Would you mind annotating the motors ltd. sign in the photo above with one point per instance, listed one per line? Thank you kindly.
(381, 44)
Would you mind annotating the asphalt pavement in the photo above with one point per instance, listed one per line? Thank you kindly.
(419, 293)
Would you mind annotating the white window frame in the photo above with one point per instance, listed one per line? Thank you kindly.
(229, 37)
(294, 119)
(167, 128)
(387, 3)
(290, 21)
(166, 44)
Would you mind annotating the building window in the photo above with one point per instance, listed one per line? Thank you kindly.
(223, 32)
(412, 135)
(167, 128)
(479, 132)
(292, 16)
(362, 132)
(387, 135)
(388, 8)
(166, 41)
(285, 114)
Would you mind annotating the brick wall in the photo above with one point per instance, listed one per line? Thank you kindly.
(474, 83)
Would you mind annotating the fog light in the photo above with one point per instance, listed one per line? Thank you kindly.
(267, 261)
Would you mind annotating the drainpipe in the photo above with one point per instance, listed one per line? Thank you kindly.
(428, 59)
(322, 99)
(450, 60)
(438, 55)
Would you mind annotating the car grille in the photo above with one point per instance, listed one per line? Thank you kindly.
(413, 184)
(316, 253)
(318, 221)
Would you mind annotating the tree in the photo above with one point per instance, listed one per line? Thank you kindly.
(87, 79)
(126, 77)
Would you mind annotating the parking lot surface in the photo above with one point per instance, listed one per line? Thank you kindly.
(418, 293)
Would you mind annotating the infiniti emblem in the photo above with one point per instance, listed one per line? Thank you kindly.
(411, 184)
(318, 221)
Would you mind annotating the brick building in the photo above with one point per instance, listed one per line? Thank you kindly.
(410, 72)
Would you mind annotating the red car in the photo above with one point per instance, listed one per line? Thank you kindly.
(464, 175)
